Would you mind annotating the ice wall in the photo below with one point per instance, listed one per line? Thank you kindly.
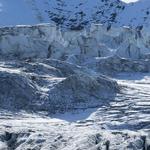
(47, 41)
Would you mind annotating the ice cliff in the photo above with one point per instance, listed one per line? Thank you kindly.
(47, 41)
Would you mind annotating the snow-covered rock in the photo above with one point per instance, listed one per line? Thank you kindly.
(16, 91)
(81, 91)
(52, 86)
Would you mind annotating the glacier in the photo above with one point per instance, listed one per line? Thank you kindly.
(47, 41)
(74, 90)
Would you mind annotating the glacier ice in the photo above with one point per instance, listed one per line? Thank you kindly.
(47, 41)
(57, 89)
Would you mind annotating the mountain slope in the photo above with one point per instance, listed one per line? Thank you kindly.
(74, 14)
(68, 13)
(59, 11)
(78, 14)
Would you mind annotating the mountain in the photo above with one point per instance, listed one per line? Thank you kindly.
(78, 89)
(68, 13)
(74, 14)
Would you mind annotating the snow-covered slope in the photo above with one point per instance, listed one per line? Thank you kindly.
(74, 14)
